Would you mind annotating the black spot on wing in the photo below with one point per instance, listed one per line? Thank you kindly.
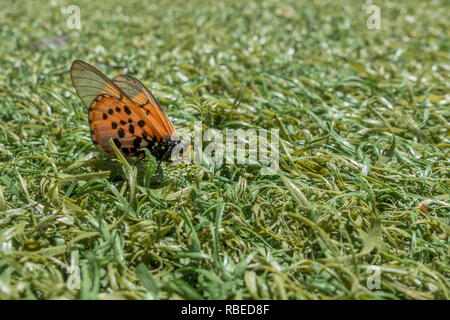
(144, 104)
(117, 142)
(137, 142)
(121, 133)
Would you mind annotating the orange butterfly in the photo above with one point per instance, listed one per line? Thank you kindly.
(123, 110)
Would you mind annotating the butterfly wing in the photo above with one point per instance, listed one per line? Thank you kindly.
(110, 118)
(89, 82)
(145, 100)
(112, 113)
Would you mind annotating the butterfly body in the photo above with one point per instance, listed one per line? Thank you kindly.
(126, 112)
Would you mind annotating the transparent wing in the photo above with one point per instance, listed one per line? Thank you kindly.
(89, 83)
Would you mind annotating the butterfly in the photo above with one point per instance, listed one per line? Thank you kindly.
(124, 110)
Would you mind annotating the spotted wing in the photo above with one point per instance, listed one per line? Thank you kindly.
(111, 118)
(146, 101)
(89, 82)
(93, 88)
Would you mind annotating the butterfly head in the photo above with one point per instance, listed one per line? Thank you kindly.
(168, 149)
(173, 149)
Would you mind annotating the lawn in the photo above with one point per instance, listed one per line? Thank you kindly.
(358, 209)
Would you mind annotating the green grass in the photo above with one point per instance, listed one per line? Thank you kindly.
(364, 170)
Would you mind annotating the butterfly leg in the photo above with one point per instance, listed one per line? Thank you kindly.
(139, 160)
(158, 168)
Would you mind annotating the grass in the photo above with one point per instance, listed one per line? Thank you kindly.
(363, 181)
